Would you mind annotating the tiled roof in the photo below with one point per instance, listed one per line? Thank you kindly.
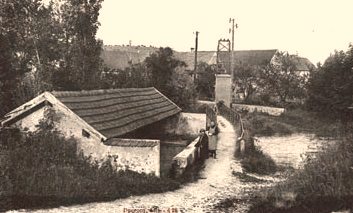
(208, 57)
(119, 57)
(249, 57)
(116, 112)
(131, 142)
(301, 64)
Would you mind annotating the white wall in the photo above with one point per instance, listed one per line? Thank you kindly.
(140, 159)
(223, 89)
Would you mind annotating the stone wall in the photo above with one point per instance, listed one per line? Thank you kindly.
(187, 157)
(138, 155)
(256, 108)
(195, 152)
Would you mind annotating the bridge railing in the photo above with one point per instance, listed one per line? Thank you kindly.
(233, 117)
(244, 142)
(196, 151)
(211, 115)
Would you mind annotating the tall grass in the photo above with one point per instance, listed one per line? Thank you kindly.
(255, 161)
(293, 121)
(45, 170)
(325, 184)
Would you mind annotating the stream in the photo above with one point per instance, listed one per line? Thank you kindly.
(291, 150)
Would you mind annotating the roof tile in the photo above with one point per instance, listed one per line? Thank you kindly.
(116, 112)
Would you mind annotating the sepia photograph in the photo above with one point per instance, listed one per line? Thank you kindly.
(176, 106)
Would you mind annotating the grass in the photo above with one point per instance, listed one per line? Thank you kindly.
(255, 161)
(44, 171)
(325, 184)
(293, 121)
(247, 178)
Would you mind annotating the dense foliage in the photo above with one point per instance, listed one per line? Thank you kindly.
(47, 46)
(323, 185)
(277, 83)
(330, 87)
(160, 70)
(44, 169)
(205, 81)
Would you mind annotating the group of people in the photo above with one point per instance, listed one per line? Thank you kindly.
(210, 147)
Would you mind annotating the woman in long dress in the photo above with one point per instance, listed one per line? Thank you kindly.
(212, 139)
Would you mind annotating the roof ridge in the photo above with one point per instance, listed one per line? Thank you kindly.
(100, 91)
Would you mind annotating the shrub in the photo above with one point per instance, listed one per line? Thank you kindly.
(44, 165)
(255, 161)
(323, 185)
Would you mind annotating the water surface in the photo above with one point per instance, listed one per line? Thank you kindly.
(291, 150)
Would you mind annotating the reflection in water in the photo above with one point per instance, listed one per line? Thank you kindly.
(290, 150)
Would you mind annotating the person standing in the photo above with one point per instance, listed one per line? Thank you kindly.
(202, 144)
(213, 139)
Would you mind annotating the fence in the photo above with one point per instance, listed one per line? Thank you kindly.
(211, 115)
(233, 117)
(236, 120)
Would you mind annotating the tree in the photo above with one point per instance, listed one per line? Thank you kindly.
(281, 80)
(205, 84)
(246, 79)
(330, 87)
(135, 76)
(161, 65)
(48, 46)
(81, 65)
(168, 75)
(27, 45)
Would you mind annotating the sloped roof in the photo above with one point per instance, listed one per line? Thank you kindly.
(249, 57)
(116, 112)
(119, 57)
(301, 64)
(202, 56)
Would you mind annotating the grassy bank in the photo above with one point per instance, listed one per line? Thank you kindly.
(325, 184)
(292, 121)
(45, 171)
(253, 160)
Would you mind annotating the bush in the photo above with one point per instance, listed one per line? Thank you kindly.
(46, 166)
(324, 185)
(255, 161)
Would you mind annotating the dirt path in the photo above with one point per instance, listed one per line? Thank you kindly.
(217, 183)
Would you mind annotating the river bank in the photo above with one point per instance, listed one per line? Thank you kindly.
(318, 174)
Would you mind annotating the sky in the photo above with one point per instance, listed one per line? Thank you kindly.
(309, 28)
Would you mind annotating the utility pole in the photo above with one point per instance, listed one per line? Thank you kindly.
(231, 20)
(195, 62)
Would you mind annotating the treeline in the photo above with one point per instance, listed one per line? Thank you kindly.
(278, 83)
(53, 46)
(326, 88)
(330, 87)
(47, 47)
(160, 70)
